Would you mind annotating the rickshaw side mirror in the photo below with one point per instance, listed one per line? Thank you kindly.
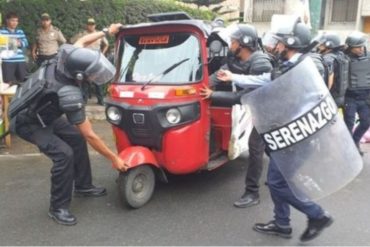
(216, 46)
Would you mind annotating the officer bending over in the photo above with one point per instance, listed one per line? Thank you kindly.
(63, 139)
(247, 59)
(291, 38)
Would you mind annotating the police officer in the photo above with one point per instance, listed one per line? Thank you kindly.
(62, 139)
(48, 39)
(289, 43)
(100, 45)
(246, 59)
(330, 48)
(359, 86)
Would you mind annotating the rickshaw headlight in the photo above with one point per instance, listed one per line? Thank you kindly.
(173, 116)
(114, 114)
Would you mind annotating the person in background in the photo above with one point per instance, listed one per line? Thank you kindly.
(99, 44)
(331, 48)
(14, 67)
(48, 40)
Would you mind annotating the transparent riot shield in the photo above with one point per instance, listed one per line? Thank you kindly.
(299, 122)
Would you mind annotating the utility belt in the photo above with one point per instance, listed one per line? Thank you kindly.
(42, 58)
(47, 56)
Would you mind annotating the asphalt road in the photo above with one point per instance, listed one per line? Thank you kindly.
(190, 210)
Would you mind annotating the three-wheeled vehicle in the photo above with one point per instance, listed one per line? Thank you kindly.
(160, 123)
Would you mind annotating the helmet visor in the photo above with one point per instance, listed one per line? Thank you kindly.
(269, 40)
(224, 35)
(101, 71)
(283, 24)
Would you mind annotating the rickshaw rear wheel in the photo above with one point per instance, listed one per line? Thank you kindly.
(136, 186)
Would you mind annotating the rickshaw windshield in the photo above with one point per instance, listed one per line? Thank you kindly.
(160, 59)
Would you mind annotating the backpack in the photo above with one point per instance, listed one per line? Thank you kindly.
(341, 76)
(321, 66)
(28, 92)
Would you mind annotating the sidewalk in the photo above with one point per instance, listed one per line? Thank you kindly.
(96, 114)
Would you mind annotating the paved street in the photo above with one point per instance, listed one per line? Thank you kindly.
(190, 210)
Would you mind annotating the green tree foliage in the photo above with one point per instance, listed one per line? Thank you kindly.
(213, 5)
(70, 15)
(200, 3)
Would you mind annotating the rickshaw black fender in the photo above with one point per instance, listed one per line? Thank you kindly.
(160, 174)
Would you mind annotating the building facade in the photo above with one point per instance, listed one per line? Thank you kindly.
(341, 16)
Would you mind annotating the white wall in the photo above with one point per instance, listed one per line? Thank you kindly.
(365, 8)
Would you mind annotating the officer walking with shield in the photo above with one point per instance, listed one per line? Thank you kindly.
(359, 86)
(290, 36)
(37, 112)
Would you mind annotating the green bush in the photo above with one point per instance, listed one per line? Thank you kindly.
(70, 15)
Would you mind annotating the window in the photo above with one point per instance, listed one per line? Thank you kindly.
(264, 9)
(172, 58)
(344, 10)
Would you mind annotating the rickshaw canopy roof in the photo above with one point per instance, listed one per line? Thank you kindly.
(204, 27)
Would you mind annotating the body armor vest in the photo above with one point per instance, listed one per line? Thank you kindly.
(257, 64)
(38, 94)
(359, 73)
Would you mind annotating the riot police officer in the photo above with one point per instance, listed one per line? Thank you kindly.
(330, 48)
(248, 59)
(291, 38)
(63, 140)
(359, 86)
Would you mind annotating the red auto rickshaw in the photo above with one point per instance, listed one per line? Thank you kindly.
(160, 123)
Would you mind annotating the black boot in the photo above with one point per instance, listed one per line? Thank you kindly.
(247, 200)
(93, 191)
(315, 227)
(273, 229)
(62, 216)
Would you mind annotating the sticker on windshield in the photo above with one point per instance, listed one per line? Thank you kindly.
(153, 40)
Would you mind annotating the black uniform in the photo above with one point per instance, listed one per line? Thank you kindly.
(356, 97)
(337, 63)
(42, 124)
(257, 64)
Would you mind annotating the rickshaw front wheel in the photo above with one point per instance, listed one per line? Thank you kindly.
(136, 186)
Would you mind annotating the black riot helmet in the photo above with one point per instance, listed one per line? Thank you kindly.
(291, 31)
(246, 35)
(90, 65)
(356, 39)
(330, 41)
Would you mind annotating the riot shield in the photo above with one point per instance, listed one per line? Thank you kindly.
(309, 142)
